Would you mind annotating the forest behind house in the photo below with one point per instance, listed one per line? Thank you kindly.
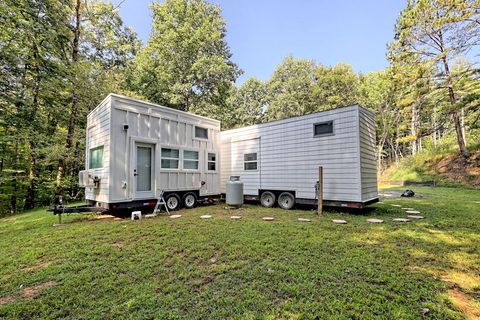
(60, 58)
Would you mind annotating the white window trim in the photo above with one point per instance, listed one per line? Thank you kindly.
(183, 160)
(198, 138)
(249, 161)
(170, 158)
(216, 161)
(103, 157)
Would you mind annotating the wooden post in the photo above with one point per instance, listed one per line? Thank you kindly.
(320, 190)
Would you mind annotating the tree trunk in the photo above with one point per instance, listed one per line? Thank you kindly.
(413, 130)
(455, 114)
(74, 106)
(30, 199)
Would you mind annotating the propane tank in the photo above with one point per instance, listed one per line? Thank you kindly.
(234, 195)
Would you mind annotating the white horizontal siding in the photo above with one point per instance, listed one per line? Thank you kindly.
(289, 156)
(98, 134)
(368, 155)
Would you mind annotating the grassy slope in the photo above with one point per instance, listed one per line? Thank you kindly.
(192, 268)
(445, 168)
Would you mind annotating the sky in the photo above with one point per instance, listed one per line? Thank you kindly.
(262, 33)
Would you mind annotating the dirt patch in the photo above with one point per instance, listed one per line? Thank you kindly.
(41, 265)
(32, 292)
(118, 244)
(7, 219)
(465, 303)
(7, 299)
(455, 168)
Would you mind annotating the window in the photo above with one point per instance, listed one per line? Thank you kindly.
(201, 133)
(170, 158)
(96, 158)
(323, 128)
(212, 162)
(250, 161)
(190, 160)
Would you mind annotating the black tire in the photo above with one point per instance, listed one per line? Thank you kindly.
(189, 200)
(267, 199)
(173, 202)
(286, 200)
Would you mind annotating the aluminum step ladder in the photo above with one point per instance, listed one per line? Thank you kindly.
(160, 202)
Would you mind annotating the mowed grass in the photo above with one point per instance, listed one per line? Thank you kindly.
(191, 268)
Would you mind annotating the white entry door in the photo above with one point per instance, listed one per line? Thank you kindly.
(143, 172)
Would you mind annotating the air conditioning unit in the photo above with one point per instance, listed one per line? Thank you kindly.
(86, 179)
(83, 178)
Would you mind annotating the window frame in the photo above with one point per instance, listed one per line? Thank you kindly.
(195, 133)
(184, 159)
(210, 161)
(250, 161)
(315, 135)
(90, 157)
(170, 158)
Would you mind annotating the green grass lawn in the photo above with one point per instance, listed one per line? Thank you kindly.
(166, 268)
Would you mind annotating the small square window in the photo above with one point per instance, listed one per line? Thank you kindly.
(190, 160)
(212, 162)
(250, 161)
(323, 128)
(96, 158)
(170, 158)
(201, 133)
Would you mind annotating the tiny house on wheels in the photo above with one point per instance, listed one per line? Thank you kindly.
(136, 151)
(279, 161)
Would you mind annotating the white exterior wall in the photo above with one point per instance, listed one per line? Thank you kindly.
(98, 134)
(289, 156)
(368, 159)
(159, 127)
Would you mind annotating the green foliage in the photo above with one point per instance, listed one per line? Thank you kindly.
(186, 64)
(247, 103)
(300, 86)
(192, 268)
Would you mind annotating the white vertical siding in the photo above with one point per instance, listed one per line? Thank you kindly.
(290, 155)
(368, 161)
(160, 127)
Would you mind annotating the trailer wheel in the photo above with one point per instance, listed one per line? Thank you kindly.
(173, 202)
(286, 200)
(267, 199)
(189, 200)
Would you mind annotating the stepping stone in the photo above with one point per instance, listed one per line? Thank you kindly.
(380, 202)
(175, 216)
(339, 221)
(268, 218)
(235, 217)
(396, 205)
(408, 209)
(151, 215)
(206, 216)
(412, 211)
(415, 217)
(375, 220)
(401, 220)
(304, 220)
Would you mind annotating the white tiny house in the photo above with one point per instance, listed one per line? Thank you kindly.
(136, 150)
(278, 161)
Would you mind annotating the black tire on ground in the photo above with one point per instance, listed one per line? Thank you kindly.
(173, 202)
(267, 199)
(286, 200)
(189, 200)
